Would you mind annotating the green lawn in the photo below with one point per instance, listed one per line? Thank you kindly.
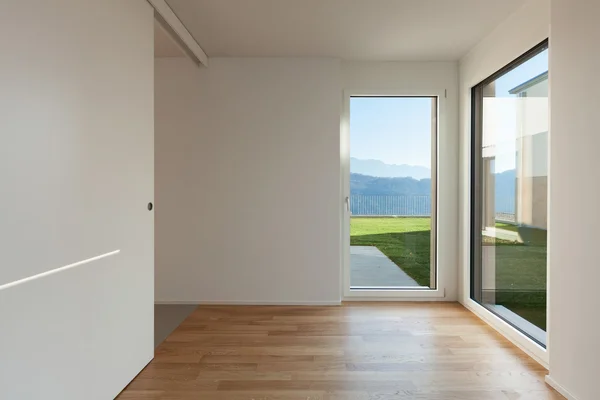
(405, 241)
(520, 267)
(508, 227)
(521, 274)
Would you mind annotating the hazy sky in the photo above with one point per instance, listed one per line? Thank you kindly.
(394, 130)
(398, 130)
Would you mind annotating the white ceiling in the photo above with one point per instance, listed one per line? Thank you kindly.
(423, 30)
(164, 45)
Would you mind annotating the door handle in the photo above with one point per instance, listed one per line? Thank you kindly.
(348, 203)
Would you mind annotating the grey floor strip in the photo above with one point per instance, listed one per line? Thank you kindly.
(167, 317)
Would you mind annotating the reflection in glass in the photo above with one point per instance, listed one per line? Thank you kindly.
(511, 186)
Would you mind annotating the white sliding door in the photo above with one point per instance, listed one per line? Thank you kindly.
(76, 177)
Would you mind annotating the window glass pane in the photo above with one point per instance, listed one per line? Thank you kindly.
(392, 192)
(512, 194)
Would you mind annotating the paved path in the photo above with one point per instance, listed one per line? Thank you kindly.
(370, 267)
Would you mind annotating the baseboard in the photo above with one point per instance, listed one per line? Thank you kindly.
(564, 392)
(350, 299)
(249, 303)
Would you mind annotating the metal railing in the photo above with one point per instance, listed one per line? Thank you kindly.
(506, 217)
(505, 208)
(409, 206)
(390, 205)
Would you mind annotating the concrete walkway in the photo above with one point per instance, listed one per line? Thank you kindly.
(371, 268)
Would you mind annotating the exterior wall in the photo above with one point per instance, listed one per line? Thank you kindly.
(532, 156)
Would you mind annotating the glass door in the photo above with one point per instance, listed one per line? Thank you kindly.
(391, 193)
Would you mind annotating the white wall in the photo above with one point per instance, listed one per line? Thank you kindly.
(250, 149)
(76, 158)
(522, 31)
(248, 175)
(247, 181)
(574, 197)
(421, 78)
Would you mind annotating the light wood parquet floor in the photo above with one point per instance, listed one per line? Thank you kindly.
(359, 351)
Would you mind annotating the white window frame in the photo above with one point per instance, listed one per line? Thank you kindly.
(408, 294)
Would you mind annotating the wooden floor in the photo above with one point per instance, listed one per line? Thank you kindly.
(364, 351)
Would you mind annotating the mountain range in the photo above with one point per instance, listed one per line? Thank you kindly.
(400, 186)
(377, 168)
(365, 183)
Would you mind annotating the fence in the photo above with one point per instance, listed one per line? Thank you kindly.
(506, 217)
(505, 208)
(391, 205)
(410, 206)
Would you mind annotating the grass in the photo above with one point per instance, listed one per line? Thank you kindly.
(507, 227)
(521, 274)
(405, 241)
(520, 268)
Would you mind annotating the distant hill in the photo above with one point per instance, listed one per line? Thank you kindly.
(374, 177)
(374, 185)
(406, 186)
(373, 195)
(505, 183)
(380, 169)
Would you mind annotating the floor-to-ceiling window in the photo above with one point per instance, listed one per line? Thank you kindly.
(509, 189)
